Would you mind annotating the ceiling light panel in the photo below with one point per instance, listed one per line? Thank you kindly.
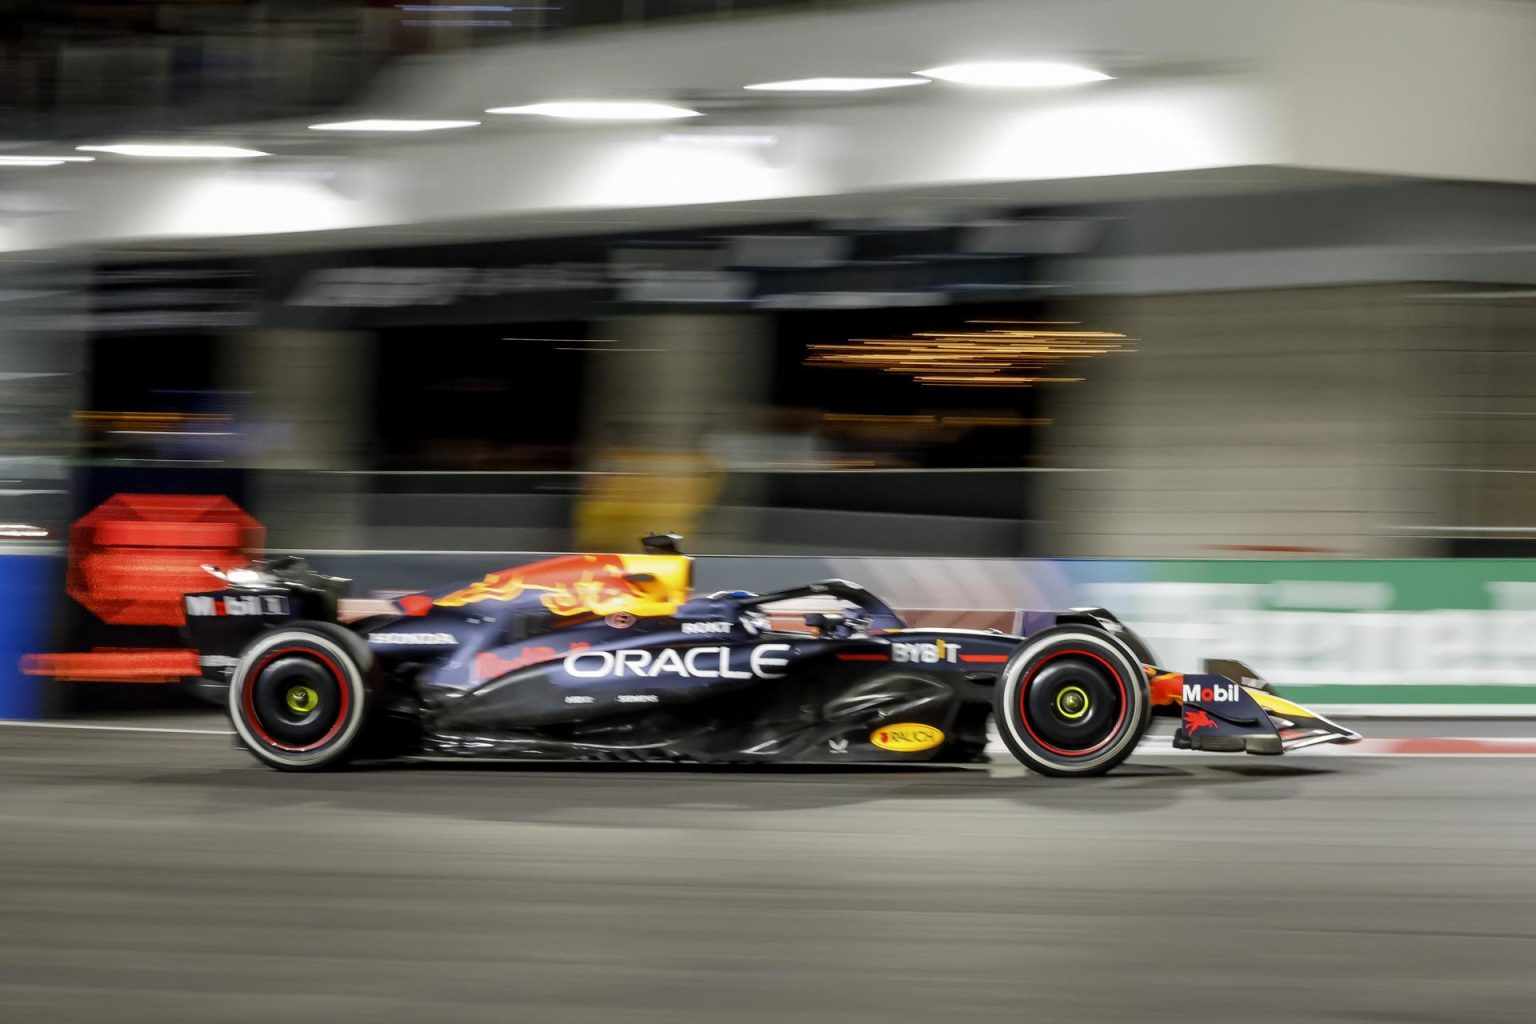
(1016, 74)
(42, 161)
(175, 151)
(601, 110)
(385, 124)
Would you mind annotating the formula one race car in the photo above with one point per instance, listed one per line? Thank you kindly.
(609, 657)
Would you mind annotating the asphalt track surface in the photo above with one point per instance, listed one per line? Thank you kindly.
(166, 877)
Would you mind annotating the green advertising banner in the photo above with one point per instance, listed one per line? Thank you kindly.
(1372, 635)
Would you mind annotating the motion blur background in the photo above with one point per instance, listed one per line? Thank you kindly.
(1218, 313)
(1248, 285)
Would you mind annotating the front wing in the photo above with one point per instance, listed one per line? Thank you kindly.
(1218, 714)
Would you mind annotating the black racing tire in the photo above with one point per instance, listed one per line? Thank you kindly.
(1072, 701)
(302, 696)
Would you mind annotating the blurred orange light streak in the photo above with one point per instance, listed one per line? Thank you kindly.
(854, 417)
(1000, 380)
(153, 417)
(974, 358)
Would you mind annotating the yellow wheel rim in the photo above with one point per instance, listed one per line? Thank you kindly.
(1072, 702)
(302, 699)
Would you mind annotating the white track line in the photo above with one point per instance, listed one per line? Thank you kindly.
(114, 728)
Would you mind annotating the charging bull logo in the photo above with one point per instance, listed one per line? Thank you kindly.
(583, 585)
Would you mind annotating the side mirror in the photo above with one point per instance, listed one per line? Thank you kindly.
(662, 544)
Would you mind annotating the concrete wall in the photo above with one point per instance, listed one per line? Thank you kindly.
(1310, 418)
(1490, 391)
(309, 395)
(42, 356)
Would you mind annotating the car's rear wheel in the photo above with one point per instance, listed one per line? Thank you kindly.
(1072, 700)
(301, 696)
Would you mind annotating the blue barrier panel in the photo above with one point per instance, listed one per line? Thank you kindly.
(30, 588)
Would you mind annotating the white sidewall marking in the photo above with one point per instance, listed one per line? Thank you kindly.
(1014, 674)
(353, 680)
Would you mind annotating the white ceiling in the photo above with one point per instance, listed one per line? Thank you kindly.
(1210, 95)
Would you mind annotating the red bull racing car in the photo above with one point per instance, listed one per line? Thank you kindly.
(612, 657)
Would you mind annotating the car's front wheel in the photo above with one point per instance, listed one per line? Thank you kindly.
(302, 695)
(1072, 700)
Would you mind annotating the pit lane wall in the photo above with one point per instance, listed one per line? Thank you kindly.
(1381, 637)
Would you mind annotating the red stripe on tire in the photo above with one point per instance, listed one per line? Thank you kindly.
(1125, 701)
(248, 702)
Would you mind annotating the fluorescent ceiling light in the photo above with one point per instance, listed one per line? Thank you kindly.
(175, 151)
(1028, 74)
(837, 84)
(42, 161)
(385, 124)
(612, 110)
